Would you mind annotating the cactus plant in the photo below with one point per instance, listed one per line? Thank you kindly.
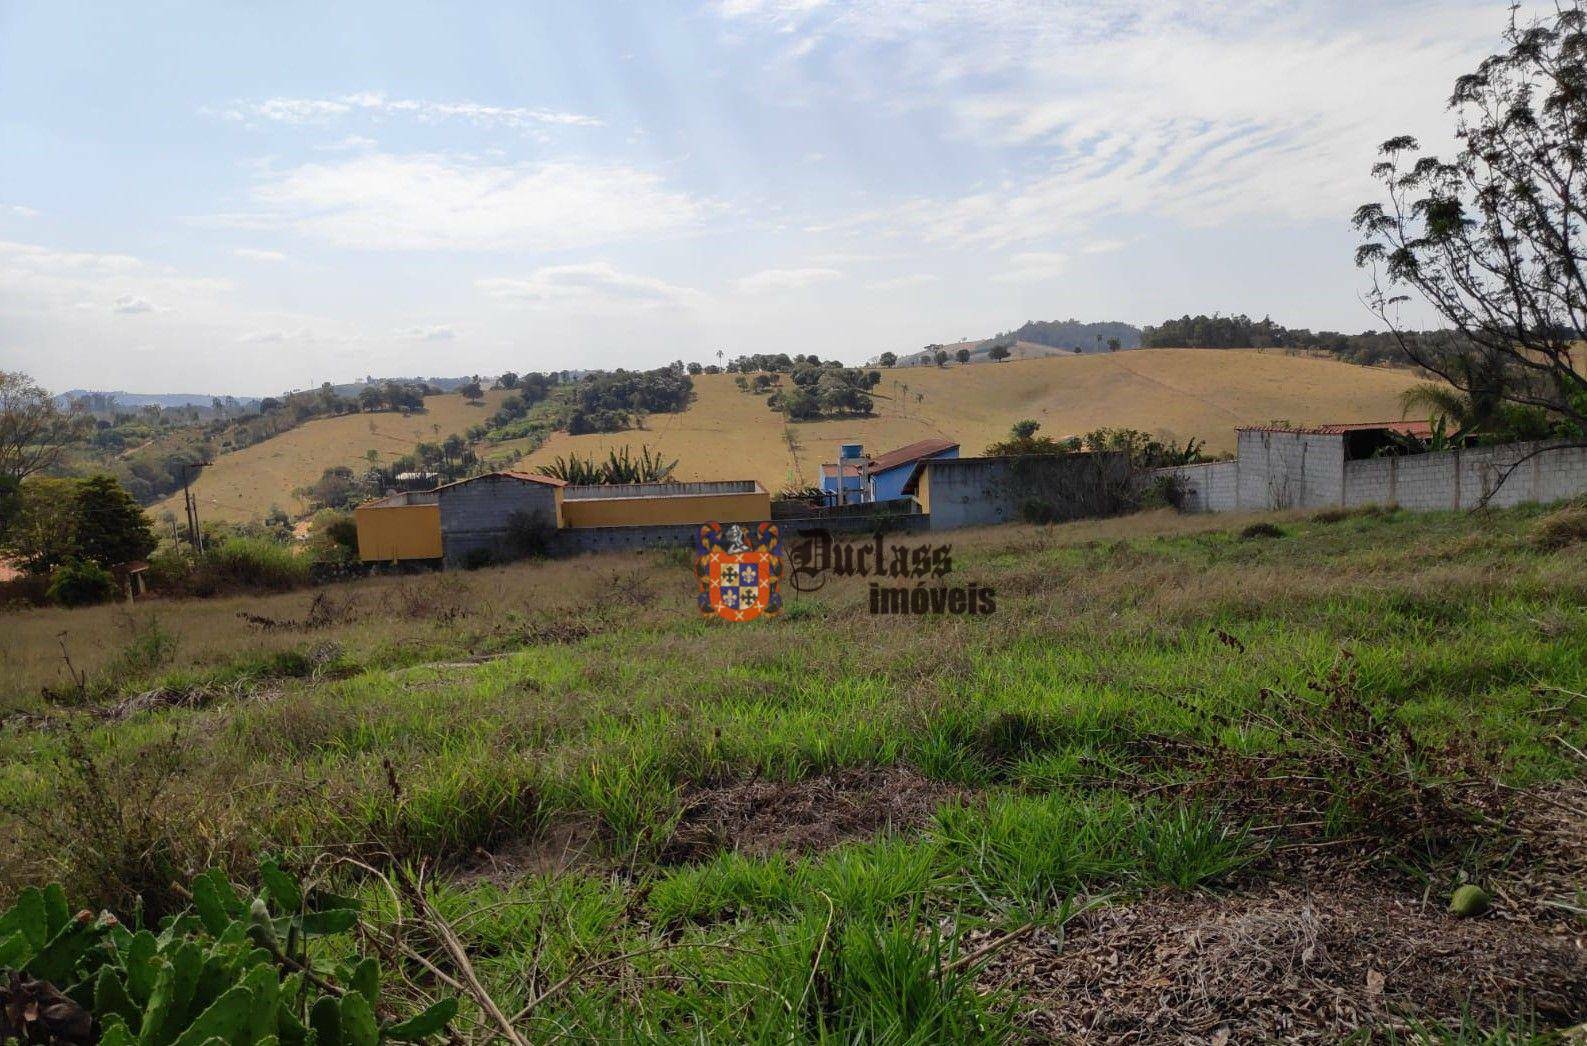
(226, 970)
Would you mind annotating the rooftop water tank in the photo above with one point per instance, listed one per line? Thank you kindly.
(848, 451)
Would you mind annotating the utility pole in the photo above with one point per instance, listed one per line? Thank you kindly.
(194, 535)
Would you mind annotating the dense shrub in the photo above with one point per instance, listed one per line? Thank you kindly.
(251, 563)
(81, 583)
(1168, 491)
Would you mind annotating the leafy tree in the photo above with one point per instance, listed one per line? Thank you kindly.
(696, 369)
(1113, 345)
(33, 430)
(1022, 440)
(962, 355)
(940, 357)
(1491, 239)
(508, 380)
(42, 533)
(110, 527)
(888, 359)
(998, 353)
(471, 392)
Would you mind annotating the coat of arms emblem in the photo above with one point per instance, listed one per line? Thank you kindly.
(738, 566)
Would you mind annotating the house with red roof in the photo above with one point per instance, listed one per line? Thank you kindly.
(882, 478)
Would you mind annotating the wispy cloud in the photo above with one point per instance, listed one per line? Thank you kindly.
(46, 278)
(16, 210)
(1204, 113)
(377, 105)
(440, 202)
(598, 286)
(131, 304)
(1034, 267)
(436, 332)
(771, 280)
(918, 279)
(258, 254)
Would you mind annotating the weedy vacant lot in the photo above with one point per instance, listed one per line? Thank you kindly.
(1197, 779)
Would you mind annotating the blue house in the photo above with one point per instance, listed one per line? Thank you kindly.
(853, 482)
(882, 478)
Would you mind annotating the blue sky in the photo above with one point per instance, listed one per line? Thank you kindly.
(247, 198)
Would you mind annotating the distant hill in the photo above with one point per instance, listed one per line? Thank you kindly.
(1073, 334)
(729, 434)
(244, 484)
(144, 399)
(1037, 338)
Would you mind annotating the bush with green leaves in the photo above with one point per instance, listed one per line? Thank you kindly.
(227, 970)
(81, 583)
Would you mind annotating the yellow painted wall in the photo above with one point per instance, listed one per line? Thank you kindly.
(687, 508)
(923, 493)
(398, 532)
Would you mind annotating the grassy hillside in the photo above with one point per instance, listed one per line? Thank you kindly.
(1210, 781)
(728, 434)
(244, 485)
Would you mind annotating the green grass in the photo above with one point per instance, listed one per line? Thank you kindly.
(1047, 724)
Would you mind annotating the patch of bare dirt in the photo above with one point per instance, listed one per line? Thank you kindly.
(816, 813)
(567, 845)
(1286, 964)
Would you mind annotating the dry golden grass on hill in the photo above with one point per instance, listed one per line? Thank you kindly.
(728, 434)
(1178, 393)
(243, 485)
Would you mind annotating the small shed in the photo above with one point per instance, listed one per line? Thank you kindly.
(478, 517)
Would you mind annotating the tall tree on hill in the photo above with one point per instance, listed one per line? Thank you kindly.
(962, 355)
(110, 527)
(1493, 239)
(998, 353)
(33, 430)
(888, 359)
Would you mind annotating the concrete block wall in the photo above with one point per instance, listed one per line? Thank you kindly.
(1282, 469)
(477, 514)
(970, 492)
(1210, 487)
(1460, 479)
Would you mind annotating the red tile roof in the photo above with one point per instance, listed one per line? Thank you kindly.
(923, 448)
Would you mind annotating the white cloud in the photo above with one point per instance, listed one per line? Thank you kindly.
(1034, 267)
(256, 254)
(437, 332)
(276, 336)
(376, 104)
(1205, 113)
(18, 211)
(439, 202)
(46, 278)
(131, 304)
(919, 279)
(770, 280)
(591, 286)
